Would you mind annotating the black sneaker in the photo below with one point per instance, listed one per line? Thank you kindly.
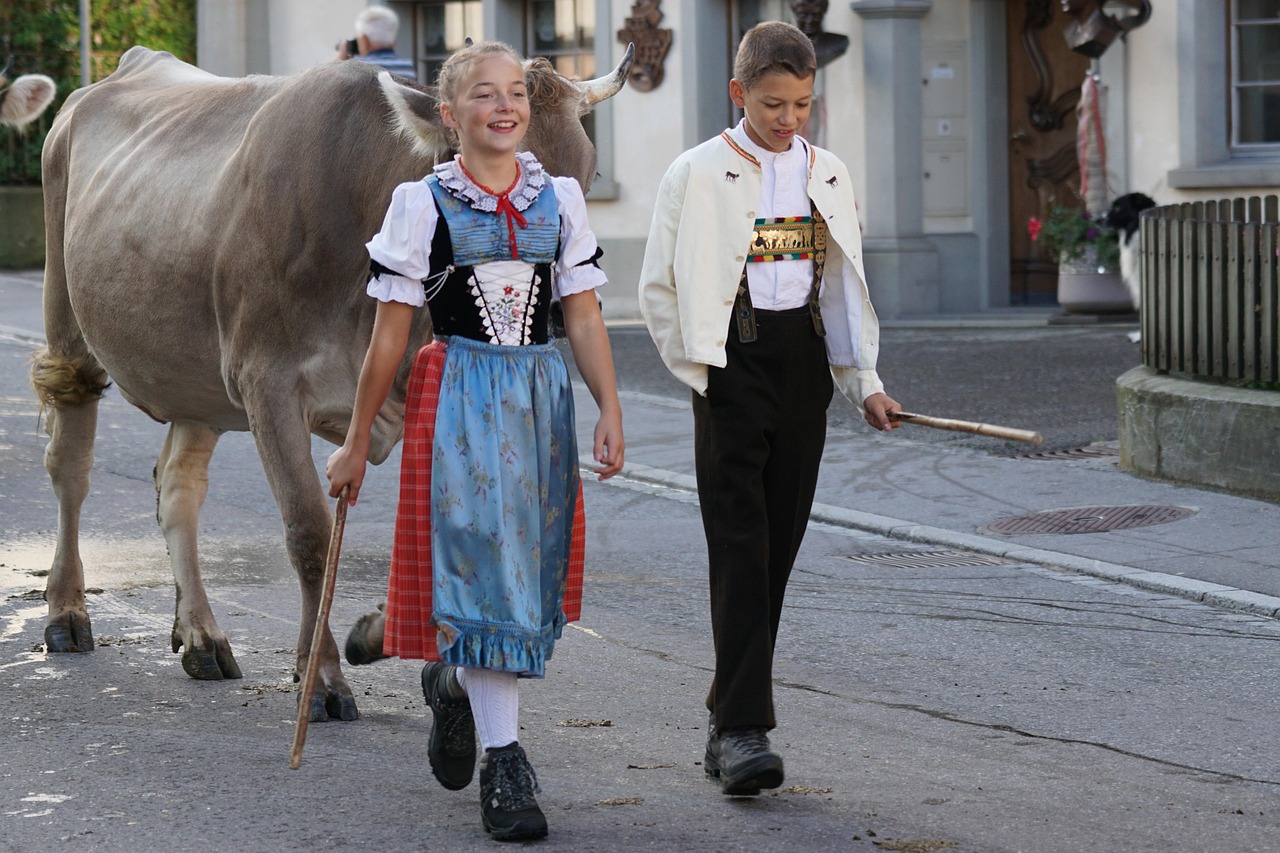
(452, 747)
(364, 641)
(507, 786)
(741, 760)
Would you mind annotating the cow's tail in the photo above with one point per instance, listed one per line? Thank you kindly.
(60, 381)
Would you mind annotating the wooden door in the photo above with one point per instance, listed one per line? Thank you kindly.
(1044, 87)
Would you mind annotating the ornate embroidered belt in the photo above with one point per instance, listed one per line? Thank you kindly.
(787, 238)
(790, 238)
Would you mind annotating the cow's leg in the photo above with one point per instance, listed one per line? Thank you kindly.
(68, 458)
(284, 443)
(68, 381)
(182, 480)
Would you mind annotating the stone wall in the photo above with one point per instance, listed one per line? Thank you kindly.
(1200, 433)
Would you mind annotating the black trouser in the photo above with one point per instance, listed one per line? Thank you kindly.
(758, 439)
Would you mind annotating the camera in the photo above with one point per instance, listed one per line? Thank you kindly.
(353, 47)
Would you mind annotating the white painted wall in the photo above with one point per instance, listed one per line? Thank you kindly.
(303, 32)
(1151, 138)
(843, 91)
(648, 128)
(651, 128)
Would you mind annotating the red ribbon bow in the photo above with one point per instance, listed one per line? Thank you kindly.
(505, 207)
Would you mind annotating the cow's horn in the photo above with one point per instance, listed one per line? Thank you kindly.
(605, 87)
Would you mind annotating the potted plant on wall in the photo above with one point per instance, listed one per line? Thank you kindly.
(1088, 254)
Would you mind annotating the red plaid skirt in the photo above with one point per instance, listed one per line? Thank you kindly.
(410, 628)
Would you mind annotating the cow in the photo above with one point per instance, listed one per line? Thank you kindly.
(205, 254)
(23, 99)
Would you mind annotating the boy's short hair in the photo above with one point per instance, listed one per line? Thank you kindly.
(774, 47)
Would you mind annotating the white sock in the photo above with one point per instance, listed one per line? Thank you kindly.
(495, 704)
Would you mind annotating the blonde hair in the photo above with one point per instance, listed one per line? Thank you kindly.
(774, 47)
(455, 67)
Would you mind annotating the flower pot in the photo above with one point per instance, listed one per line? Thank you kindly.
(1085, 287)
(21, 227)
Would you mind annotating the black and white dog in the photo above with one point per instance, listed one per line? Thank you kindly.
(1122, 218)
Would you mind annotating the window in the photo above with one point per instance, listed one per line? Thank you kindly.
(1213, 129)
(564, 31)
(439, 28)
(1255, 76)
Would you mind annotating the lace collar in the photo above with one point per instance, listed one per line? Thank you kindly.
(458, 185)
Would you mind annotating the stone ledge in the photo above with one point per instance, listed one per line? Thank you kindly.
(1200, 433)
(21, 227)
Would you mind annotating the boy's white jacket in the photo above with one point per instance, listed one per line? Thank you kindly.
(703, 219)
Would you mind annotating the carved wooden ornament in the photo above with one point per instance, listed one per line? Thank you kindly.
(651, 44)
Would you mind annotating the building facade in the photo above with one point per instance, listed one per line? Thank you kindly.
(957, 118)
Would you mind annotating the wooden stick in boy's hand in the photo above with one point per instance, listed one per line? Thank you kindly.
(322, 625)
(992, 430)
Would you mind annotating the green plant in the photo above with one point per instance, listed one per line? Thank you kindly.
(1069, 233)
(43, 36)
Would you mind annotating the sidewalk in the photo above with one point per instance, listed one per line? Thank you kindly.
(937, 497)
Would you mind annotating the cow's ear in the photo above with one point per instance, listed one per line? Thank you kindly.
(23, 101)
(416, 115)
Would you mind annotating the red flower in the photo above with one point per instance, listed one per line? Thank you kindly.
(1033, 228)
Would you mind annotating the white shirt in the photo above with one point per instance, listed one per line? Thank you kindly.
(784, 191)
(404, 243)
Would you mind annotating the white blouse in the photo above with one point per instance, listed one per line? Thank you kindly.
(404, 242)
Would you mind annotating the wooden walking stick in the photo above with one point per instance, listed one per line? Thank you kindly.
(322, 625)
(992, 430)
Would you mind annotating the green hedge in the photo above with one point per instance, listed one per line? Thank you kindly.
(43, 36)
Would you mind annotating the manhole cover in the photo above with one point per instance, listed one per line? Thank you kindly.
(1090, 519)
(926, 560)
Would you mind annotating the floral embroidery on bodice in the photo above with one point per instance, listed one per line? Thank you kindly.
(504, 292)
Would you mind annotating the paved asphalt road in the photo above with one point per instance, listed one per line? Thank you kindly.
(976, 708)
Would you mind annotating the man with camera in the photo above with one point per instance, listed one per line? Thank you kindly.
(375, 42)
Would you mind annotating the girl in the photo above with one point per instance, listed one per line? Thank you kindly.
(487, 556)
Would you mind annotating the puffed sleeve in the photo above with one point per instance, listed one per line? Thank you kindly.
(577, 269)
(401, 250)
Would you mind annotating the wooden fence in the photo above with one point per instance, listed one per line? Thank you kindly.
(1210, 297)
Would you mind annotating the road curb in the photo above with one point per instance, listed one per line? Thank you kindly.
(1217, 595)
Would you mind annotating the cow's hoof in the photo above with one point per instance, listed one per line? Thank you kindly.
(69, 632)
(328, 704)
(364, 643)
(212, 661)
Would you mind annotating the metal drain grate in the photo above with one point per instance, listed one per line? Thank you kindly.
(926, 560)
(1090, 519)
(1091, 451)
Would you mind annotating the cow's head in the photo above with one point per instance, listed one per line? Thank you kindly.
(557, 105)
(22, 101)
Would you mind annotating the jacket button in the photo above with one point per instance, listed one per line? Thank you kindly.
(728, 302)
(719, 343)
(751, 214)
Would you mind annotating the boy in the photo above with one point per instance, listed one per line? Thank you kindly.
(753, 290)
